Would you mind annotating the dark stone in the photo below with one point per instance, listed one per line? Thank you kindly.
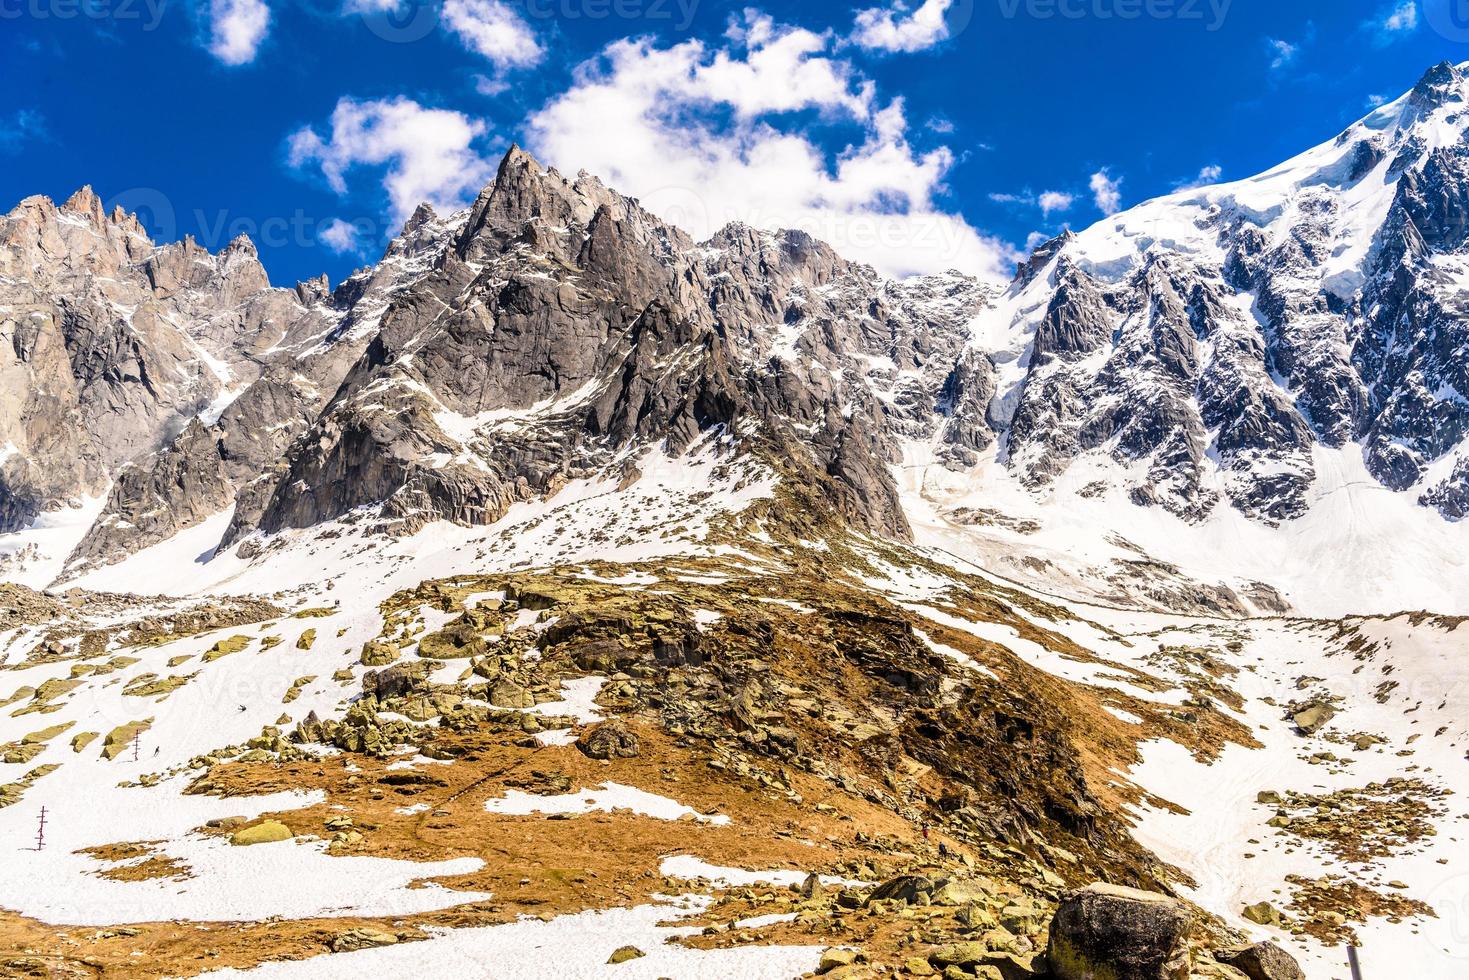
(609, 740)
(1262, 961)
(1103, 932)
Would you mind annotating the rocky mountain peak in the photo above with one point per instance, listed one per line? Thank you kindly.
(1442, 83)
(1219, 334)
(86, 203)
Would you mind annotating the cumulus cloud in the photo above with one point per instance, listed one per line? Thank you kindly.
(898, 28)
(1106, 191)
(1394, 22)
(493, 30)
(425, 155)
(340, 236)
(1053, 201)
(237, 28)
(705, 137)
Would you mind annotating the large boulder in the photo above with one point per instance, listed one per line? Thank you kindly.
(265, 832)
(376, 653)
(1313, 717)
(1262, 961)
(1106, 932)
(399, 680)
(609, 740)
(903, 888)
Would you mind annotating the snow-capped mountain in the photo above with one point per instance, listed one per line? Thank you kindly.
(536, 337)
(1205, 342)
(1255, 348)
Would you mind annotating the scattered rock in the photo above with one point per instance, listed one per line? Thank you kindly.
(609, 740)
(624, 953)
(375, 653)
(836, 957)
(266, 832)
(362, 938)
(1262, 961)
(1313, 717)
(1264, 914)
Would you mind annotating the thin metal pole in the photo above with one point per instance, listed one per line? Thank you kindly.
(1352, 962)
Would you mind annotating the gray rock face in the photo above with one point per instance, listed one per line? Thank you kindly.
(566, 325)
(489, 357)
(164, 376)
(1104, 932)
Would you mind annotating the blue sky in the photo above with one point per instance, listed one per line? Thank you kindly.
(940, 133)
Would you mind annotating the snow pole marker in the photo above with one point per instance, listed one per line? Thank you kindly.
(1352, 962)
(41, 830)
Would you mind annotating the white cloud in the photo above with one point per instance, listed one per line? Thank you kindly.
(490, 85)
(898, 29)
(1283, 53)
(340, 236)
(1106, 191)
(237, 28)
(1206, 176)
(428, 154)
(492, 29)
(1374, 101)
(1047, 201)
(1393, 22)
(704, 137)
(1051, 201)
(780, 70)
